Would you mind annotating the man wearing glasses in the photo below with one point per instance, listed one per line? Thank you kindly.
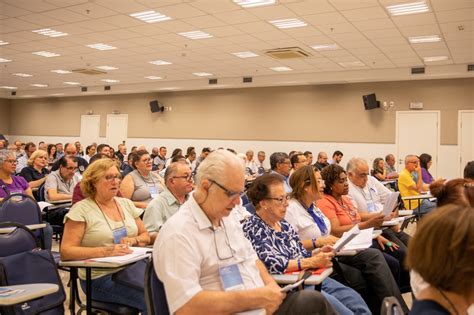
(205, 262)
(409, 187)
(179, 183)
(280, 164)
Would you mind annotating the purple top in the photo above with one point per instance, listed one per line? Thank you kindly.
(426, 176)
(19, 185)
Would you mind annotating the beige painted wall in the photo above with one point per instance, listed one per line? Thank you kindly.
(4, 116)
(324, 113)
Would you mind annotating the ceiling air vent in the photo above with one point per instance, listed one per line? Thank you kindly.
(247, 79)
(212, 81)
(88, 71)
(420, 70)
(470, 67)
(287, 53)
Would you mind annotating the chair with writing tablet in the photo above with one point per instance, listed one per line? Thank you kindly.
(155, 295)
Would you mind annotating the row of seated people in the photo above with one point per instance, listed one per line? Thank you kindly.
(115, 210)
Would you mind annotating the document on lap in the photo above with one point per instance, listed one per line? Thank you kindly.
(354, 239)
(390, 203)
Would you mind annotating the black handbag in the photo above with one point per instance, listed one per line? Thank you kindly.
(132, 276)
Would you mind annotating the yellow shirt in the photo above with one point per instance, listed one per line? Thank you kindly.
(405, 180)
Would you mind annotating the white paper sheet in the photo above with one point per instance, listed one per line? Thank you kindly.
(390, 203)
(346, 238)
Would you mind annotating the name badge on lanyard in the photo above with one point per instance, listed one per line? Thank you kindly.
(119, 233)
(153, 191)
(370, 206)
(231, 279)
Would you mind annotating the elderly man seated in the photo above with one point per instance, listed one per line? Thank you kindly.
(178, 184)
(206, 264)
(280, 163)
(71, 150)
(408, 187)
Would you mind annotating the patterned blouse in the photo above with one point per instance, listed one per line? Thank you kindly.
(274, 248)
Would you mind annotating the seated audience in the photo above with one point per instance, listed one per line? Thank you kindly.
(250, 164)
(298, 160)
(441, 253)
(425, 163)
(336, 157)
(79, 150)
(60, 184)
(280, 164)
(408, 186)
(176, 152)
(469, 170)
(59, 150)
(178, 185)
(204, 153)
(90, 152)
(309, 157)
(141, 185)
(71, 150)
(343, 215)
(322, 161)
(369, 196)
(160, 159)
(9, 183)
(191, 157)
(391, 171)
(201, 238)
(121, 153)
(314, 230)
(22, 161)
(280, 249)
(260, 165)
(36, 171)
(104, 225)
(52, 154)
(378, 169)
(459, 191)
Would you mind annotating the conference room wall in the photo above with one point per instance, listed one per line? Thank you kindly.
(322, 113)
(4, 116)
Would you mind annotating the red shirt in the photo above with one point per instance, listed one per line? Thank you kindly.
(345, 212)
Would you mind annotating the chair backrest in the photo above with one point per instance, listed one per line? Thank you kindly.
(250, 208)
(391, 306)
(245, 199)
(20, 208)
(155, 295)
(41, 193)
(19, 240)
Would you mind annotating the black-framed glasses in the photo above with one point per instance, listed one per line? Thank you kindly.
(221, 246)
(187, 177)
(280, 200)
(230, 194)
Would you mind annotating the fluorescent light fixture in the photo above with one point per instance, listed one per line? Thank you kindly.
(8, 87)
(49, 32)
(23, 75)
(110, 80)
(46, 54)
(253, 3)
(281, 69)
(325, 47)
(56, 94)
(160, 62)
(71, 83)
(245, 54)
(352, 64)
(59, 71)
(150, 16)
(106, 68)
(171, 88)
(153, 77)
(435, 58)
(424, 39)
(101, 46)
(202, 74)
(288, 23)
(4, 60)
(408, 8)
(196, 35)
(39, 85)
(3, 43)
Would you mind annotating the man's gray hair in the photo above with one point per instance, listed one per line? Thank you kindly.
(216, 164)
(172, 169)
(277, 157)
(354, 163)
(409, 156)
(4, 154)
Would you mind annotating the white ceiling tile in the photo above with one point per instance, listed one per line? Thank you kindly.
(455, 15)
(463, 58)
(19, 24)
(389, 41)
(348, 37)
(205, 21)
(429, 46)
(442, 5)
(236, 17)
(65, 15)
(95, 26)
(374, 34)
(365, 14)
(421, 30)
(73, 29)
(176, 26)
(272, 12)
(330, 29)
(65, 3)
(242, 39)
(376, 24)
(325, 18)
(349, 5)
(363, 51)
(34, 6)
(123, 6)
(181, 11)
(121, 21)
(272, 35)
(41, 19)
(252, 27)
(302, 32)
(212, 6)
(414, 19)
(13, 11)
(223, 31)
(92, 10)
(307, 7)
(336, 53)
(285, 43)
(314, 40)
(147, 30)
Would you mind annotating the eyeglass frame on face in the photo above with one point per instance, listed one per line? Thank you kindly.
(11, 161)
(188, 178)
(229, 193)
(281, 200)
(146, 160)
(112, 178)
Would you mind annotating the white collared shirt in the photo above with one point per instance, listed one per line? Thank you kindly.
(373, 191)
(186, 258)
(302, 221)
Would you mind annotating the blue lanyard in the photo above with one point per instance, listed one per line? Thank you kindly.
(317, 219)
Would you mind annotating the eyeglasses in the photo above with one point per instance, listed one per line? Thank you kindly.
(71, 168)
(187, 177)
(362, 175)
(111, 178)
(414, 162)
(219, 243)
(11, 161)
(146, 160)
(280, 200)
(230, 194)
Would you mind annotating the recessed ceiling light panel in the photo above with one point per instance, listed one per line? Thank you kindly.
(195, 35)
(160, 62)
(4, 60)
(202, 74)
(325, 47)
(106, 68)
(281, 69)
(424, 39)
(23, 75)
(408, 8)
(152, 77)
(59, 71)
(288, 23)
(150, 16)
(49, 32)
(101, 46)
(245, 54)
(3, 43)
(435, 58)
(110, 80)
(71, 83)
(46, 54)
(39, 85)
(253, 3)
(352, 64)
(8, 87)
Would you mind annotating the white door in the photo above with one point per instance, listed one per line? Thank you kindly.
(117, 129)
(465, 138)
(417, 132)
(90, 129)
